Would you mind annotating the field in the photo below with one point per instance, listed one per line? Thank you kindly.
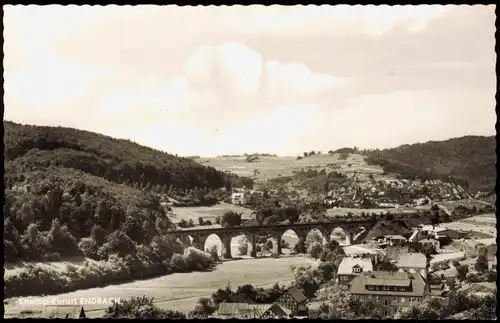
(451, 205)
(343, 211)
(180, 291)
(207, 212)
(272, 167)
(483, 226)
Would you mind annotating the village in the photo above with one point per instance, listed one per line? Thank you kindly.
(394, 274)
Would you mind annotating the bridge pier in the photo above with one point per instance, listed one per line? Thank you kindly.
(226, 247)
(253, 243)
(301, 245)
(278, 244)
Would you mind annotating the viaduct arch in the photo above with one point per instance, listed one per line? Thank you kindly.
(200, 236)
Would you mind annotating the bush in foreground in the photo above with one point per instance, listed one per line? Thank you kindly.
(37, 280)
(140, 308)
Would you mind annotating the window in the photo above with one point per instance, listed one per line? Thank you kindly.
(386, 313)
(356, 270)
(344, 278)
(402, 299)
(386, 302)
(387, 288)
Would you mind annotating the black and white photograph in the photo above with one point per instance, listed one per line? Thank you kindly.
(250, 162)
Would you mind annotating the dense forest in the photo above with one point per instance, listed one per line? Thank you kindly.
(117, 160)
(71, 192)
(468, 161)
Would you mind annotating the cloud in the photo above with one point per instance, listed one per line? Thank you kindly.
(282, 79)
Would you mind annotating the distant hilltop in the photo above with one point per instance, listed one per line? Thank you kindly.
(251, 154)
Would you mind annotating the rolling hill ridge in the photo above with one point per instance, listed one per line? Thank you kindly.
(469, 161)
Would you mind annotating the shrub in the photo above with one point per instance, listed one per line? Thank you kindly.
(177, 262)
(315, 250)
(89, 248)
(195, 259)
(243, 246)
(214, 253)
(142, 308)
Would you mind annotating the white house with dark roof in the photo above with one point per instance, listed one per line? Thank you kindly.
(351, 267)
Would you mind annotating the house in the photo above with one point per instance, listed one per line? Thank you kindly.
(249, 311)
(390, 292)
(395, 239)
(351, 267)
(437, 290)
(412, 262)
(430, 242)
(294, 300)
(239, 198)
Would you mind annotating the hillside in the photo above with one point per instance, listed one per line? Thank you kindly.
(120, 161)
(72, 193)
(469, 161)
(48, 212)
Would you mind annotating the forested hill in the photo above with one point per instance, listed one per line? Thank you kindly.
(116, 160)
(71, 193)
(468, 160)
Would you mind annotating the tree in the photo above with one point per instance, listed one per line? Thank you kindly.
(142, 308)
(482, 260)
(462, 271)
(200, 221)
(231, 219)
(243, 246)
(386, 265)
(214, 253)
(204, 307)
(327, 270)
(315, 249)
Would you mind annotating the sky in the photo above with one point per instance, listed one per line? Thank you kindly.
(230, 80)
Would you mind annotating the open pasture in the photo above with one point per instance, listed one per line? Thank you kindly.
(207, 212)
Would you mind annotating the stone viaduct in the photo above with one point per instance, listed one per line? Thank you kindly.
(276, 231)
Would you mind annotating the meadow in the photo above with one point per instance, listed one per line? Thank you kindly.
(271, 167)
(178, 291)
(207, 212)
(484, 226)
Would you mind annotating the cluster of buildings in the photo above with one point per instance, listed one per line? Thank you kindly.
(291, 304)
(393, 193)
(240, 196)
(390, 291)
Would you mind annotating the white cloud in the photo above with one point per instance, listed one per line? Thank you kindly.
(209, 80)
(295, 79)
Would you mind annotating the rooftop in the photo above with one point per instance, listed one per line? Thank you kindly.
(400, 279)
(412, 260)
(345, 267)
(243, 309)
(297, 294)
